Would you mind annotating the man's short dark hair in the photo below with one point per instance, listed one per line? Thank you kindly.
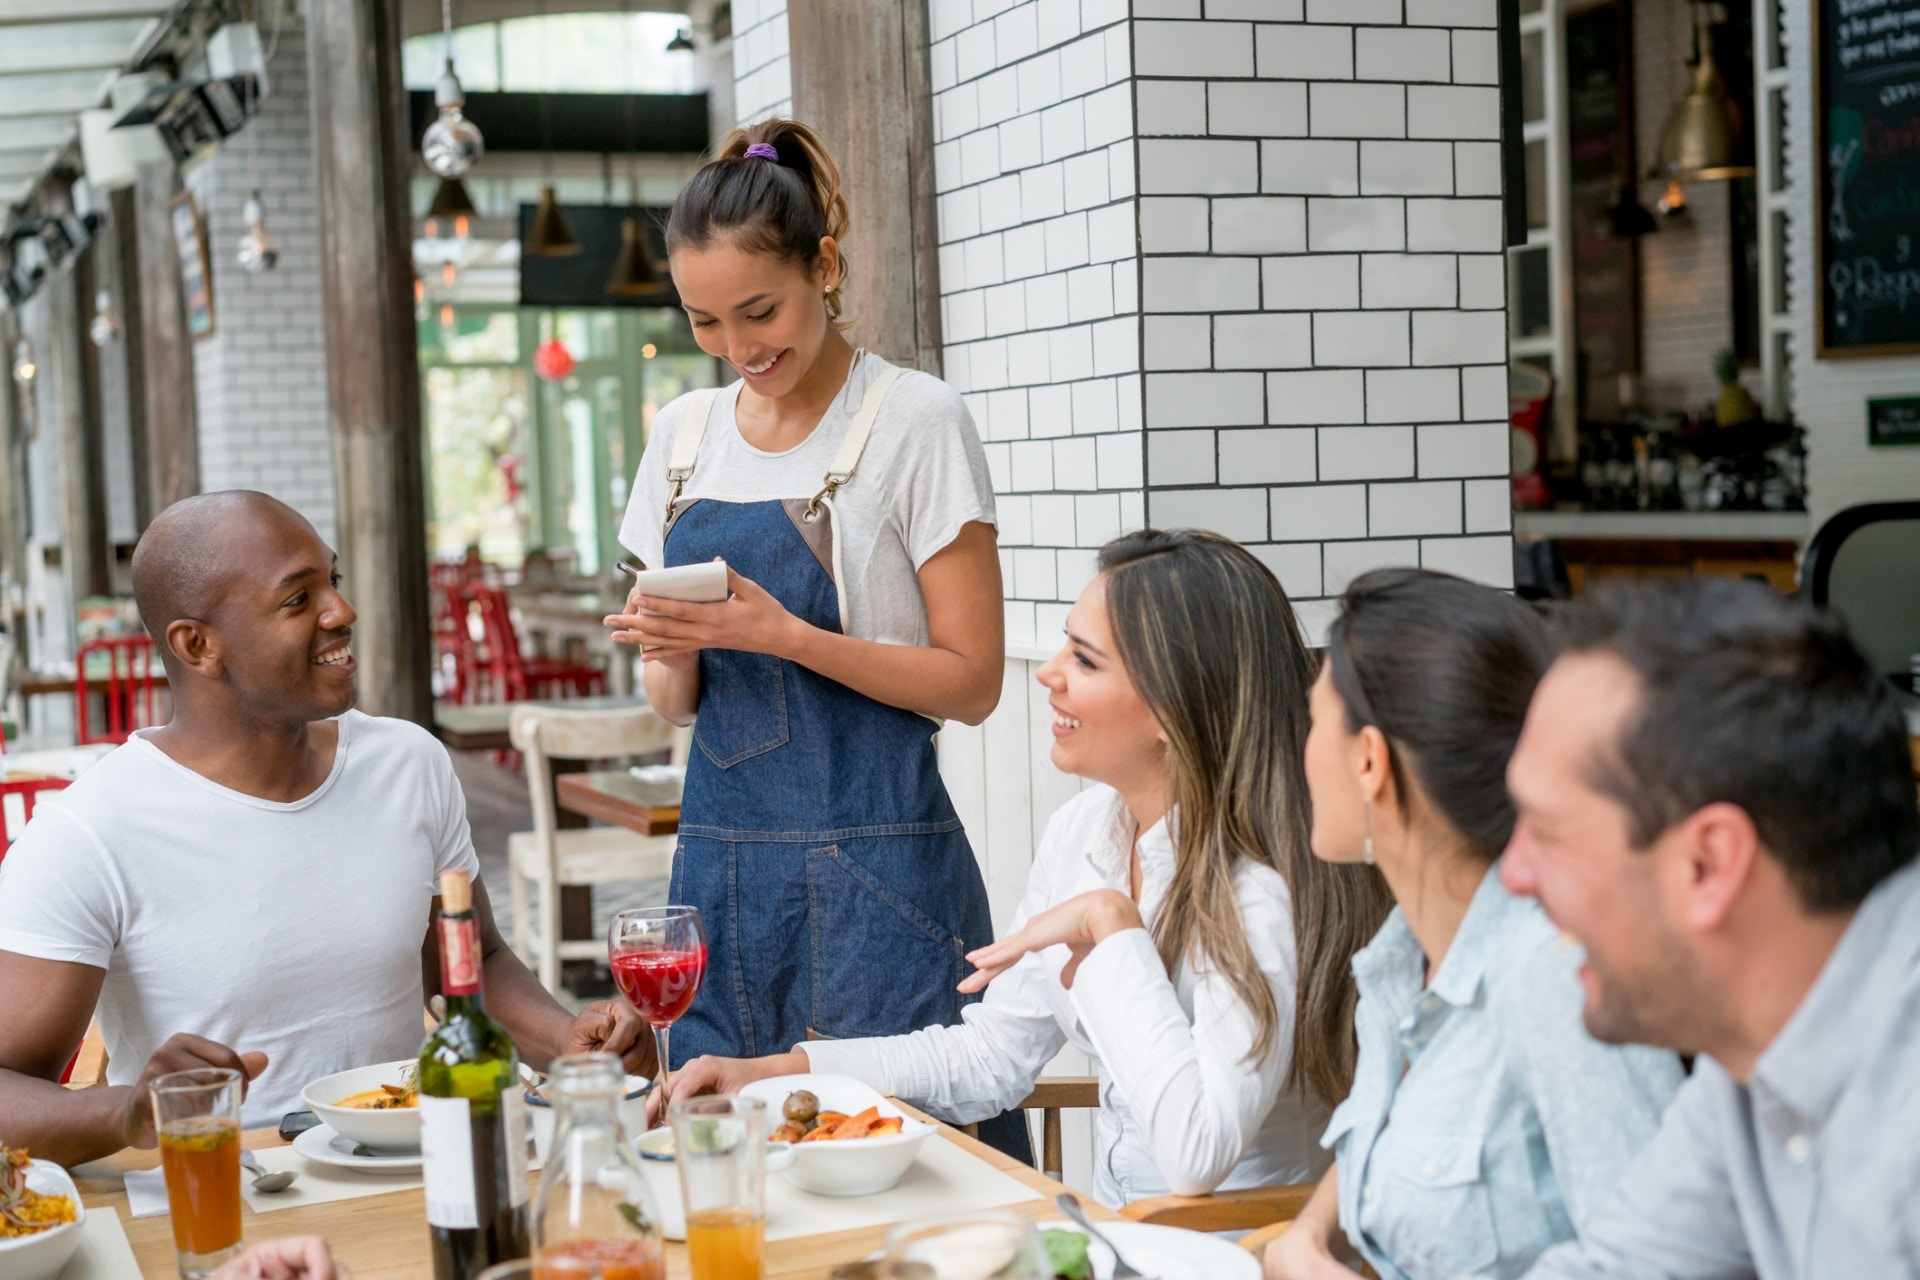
(1752, 698)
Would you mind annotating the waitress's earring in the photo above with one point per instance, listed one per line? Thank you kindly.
(1366, 846)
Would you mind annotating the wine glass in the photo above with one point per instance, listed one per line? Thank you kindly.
(658, 956)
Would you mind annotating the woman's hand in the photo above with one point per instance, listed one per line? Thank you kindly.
(1302, 1253)
(1080, 923)
(708, 1074)
(288, 1258)
(673, 632)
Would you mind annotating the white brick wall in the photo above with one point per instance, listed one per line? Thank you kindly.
(1364, 282)
(762, 70)
(1039, 226)
(260, 380)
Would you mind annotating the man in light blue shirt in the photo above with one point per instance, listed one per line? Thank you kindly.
(1715, 800)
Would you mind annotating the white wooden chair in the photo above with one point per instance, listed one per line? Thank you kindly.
(546, 859)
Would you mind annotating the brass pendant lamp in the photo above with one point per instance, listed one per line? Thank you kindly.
(450, 200)
(1706, 137)
(635, 275)
(550, 236)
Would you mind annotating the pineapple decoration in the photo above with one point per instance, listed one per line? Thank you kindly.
(1736, 404)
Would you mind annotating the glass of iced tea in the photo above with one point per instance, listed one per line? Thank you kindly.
(197, 1115)
(720, 1147)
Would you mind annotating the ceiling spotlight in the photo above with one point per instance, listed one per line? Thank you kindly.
(24, 368)
(105, 329)
(258, 251)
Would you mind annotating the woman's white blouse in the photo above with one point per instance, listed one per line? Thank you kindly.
(1485, 1123)
(1181, 1109)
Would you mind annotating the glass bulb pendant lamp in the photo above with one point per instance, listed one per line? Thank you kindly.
(258, 251)
(452, 143)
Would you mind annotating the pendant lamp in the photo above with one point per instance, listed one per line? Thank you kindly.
(1706, 137)
(1627, 218)
(450, 200)
(634, 273)
(451, 143)
(550, 236)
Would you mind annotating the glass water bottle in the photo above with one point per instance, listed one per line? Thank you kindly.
(594, 1204)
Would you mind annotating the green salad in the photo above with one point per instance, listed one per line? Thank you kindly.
(1067, 1255)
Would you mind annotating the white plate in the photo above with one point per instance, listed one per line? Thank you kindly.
(323, 1146)
(1166, 1253)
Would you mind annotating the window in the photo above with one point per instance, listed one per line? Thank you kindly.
(560, 53)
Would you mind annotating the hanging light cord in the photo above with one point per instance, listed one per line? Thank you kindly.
(446, 25)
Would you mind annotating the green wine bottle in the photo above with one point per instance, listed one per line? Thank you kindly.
(473, 1143)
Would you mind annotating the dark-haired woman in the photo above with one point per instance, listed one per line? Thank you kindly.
(1484, 1122)
(851, 502)
(1176, 927)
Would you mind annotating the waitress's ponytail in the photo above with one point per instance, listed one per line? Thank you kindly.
(780, 203)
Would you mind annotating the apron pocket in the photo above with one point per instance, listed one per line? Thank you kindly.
(751, 719)
(858, 921)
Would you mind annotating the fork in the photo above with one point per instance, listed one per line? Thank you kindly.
(1069, 1204)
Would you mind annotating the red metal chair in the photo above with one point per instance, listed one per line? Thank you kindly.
(127, 687)
(516, 677)
(29, 790)
(461, 665)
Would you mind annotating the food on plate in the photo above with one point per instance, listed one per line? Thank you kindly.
(807, 1123)
(1067, 1255)
(388, 1097)
(24, 1211)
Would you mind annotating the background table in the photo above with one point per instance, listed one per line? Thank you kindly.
(483, 727)
(616, 796)
(386, 1235)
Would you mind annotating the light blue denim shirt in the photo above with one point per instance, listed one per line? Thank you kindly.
(1811, 1170)
(1484, 1123)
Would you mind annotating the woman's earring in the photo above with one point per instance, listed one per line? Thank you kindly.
(1366, 847)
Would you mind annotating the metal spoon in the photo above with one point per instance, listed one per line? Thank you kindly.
(267, 1183)
(1069, 1204)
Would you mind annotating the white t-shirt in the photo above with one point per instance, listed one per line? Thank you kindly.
(291, 929)
(923, 476)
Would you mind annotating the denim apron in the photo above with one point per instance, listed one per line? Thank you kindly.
(839, 891)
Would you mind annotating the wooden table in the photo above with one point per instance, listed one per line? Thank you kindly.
(38, 683)
(484, 727)
(616, 796)
(386, 1235)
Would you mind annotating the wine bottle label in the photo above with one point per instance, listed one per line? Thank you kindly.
(513, 1116)
(446, 1162)
(459, 957)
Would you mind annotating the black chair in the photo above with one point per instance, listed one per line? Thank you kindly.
(1864, 564)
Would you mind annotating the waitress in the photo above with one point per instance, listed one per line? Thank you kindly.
(851, 502)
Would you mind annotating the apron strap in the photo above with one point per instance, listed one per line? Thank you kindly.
(686, 441)
(855, 444)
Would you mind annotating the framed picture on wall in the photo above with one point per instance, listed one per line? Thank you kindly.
(196, 267)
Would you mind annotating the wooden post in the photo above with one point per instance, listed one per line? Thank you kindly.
(83, 524)
(123, 230)
(13, 470)
(861, 77)
(373, 369)
(166, 435)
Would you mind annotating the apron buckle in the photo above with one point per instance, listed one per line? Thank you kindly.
(834, 481)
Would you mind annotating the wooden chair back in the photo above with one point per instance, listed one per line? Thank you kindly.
(29, 790)
(127, 686)
(542, 734)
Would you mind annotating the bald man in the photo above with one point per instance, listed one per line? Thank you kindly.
(251, 885)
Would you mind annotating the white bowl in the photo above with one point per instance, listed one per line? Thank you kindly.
(857, 1166)
(541, 1117)
(395, 1130)
(655, 1149)
(41, 1255)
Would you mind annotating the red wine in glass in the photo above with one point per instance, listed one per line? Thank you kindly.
(658, 956)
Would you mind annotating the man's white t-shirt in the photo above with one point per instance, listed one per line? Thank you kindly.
(290, 929)
(922, 477)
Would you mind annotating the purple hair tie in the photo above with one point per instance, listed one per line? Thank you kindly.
(763, 151)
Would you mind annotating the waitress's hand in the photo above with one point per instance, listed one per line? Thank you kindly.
(1081, 923)
(751, 620)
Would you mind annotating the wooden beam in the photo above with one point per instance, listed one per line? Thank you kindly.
(13, 467)
(123, 229)
(373, 369)
(861, 77)
(71, 370)
(166, 441)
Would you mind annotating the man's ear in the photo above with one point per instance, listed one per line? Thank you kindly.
(1714, 853)
(196, 646)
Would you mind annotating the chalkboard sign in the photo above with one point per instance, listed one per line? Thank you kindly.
(1894, 420)
(1867, 121)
